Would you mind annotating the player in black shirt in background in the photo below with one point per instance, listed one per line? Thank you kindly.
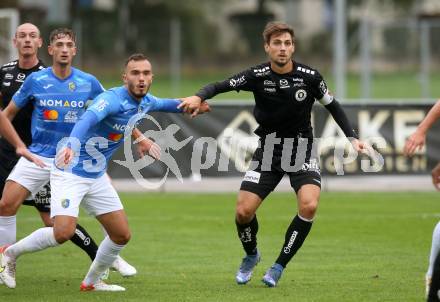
(284, 92)
(27, 40)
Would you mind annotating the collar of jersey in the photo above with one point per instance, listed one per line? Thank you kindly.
(62, 80)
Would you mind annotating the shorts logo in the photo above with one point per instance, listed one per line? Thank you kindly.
(323, 87)
(65, 203)
(252, 176)
(300, 95)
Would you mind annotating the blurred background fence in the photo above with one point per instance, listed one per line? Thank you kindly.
(358, 45)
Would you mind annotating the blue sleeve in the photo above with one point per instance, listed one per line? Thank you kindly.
(24, 94)
(86, 121)
(164, 105)
(97, 88)
(104, 105)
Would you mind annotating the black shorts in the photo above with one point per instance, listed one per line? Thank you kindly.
(8, 160)
(264, 176)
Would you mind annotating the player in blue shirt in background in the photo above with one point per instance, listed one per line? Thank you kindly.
(58, 94)
(79, 176)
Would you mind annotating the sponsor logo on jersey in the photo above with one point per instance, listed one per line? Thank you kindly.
(270, 89)
(300, 95)
(20, 77)
(291, 241)
(72, 86)
(237, 82)
(252, 176)
(115, 137)
(71, 116)
(61, 103)
(65, 203)
(284, 83)
(101, 104)
(305, 70)
(298, 80)
(269, 83)
(9, 76)
(7, 84)
(262, 71)
(50, 115)
(11, 63)
(120, 127)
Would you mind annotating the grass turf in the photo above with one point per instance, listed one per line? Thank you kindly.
(362, 247)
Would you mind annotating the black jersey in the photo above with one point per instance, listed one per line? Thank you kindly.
(283, 102)
(11, 79)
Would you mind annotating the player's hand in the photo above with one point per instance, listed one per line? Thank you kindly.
(190, 105)
(64, 157)
(23, 151)
(436, 176)
(361, 146)
(146, 146)
(414, 142)
(204, 108)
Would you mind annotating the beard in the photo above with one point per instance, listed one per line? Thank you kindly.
(132, 87)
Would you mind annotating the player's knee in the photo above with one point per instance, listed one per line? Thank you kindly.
(244, 214)
(63, 234)
(122, 238)
(8, 208)
(308, 209)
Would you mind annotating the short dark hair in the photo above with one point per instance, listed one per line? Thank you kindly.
(61, 32)
(276, 27)
(135, 57)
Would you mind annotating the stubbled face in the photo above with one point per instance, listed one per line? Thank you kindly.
(280, 48)
(62, 49)
(27, 40)
(138, 77)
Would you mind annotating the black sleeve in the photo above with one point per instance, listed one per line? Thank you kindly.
(241, 81)
(341, 119)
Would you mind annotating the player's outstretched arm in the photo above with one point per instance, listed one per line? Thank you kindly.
(191, 105)
(418, 138)
(9, 133)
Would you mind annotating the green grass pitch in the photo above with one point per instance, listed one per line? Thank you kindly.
(362, 247)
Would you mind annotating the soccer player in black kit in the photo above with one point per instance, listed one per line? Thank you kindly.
(27, 40)
(284, 92)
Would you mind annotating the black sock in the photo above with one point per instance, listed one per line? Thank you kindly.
(248, 235)
(435, 284)
(295, 236)
(82, 239)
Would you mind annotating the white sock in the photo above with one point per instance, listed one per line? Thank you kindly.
(39, 240)
(107, 252)
(435, 248)
(8, 230)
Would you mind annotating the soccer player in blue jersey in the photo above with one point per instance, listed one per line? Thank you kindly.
(27, 41)
(58, 94)
(79, 176)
